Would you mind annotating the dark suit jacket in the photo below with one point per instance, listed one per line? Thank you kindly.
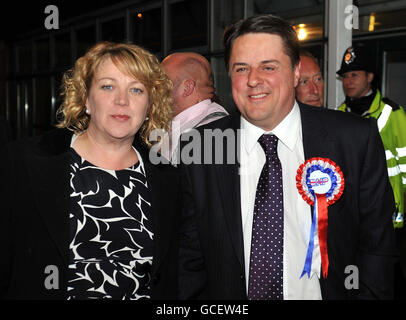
(360, 229)
(34, 225)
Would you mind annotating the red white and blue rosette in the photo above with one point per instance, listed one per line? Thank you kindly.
(320, 182)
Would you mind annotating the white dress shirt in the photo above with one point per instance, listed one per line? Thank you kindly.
(297, 213)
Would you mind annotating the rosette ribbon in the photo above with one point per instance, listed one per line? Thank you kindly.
(320, 182)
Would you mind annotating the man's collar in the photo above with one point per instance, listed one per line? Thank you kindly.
(190, 113)
(287, 130)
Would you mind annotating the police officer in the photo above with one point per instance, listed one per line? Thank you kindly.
(364, 99)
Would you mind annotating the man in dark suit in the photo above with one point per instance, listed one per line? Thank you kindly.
(231, 247)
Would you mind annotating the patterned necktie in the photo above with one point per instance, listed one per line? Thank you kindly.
(266, 262)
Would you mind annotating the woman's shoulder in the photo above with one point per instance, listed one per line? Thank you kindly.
(53, 142)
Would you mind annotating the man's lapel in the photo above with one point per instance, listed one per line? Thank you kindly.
(316, 141)
(229, 186)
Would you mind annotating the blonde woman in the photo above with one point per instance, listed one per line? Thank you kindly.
(85, 214)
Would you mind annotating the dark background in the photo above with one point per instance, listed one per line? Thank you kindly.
(18, 17)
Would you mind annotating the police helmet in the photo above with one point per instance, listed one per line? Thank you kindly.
(355, 58)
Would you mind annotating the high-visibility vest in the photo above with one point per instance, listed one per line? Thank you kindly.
(391, 121)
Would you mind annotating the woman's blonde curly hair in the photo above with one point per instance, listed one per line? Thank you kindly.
(130, 59)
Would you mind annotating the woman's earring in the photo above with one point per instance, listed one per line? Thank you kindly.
(87, 111)
(146, 119)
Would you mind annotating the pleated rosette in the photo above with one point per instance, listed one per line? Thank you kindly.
(320, 182)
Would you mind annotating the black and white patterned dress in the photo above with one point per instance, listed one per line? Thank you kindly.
(111, 232)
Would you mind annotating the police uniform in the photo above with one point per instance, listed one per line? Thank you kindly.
(391, 120)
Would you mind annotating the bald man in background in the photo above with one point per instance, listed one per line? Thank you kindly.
(193, 93)
(310, 89)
